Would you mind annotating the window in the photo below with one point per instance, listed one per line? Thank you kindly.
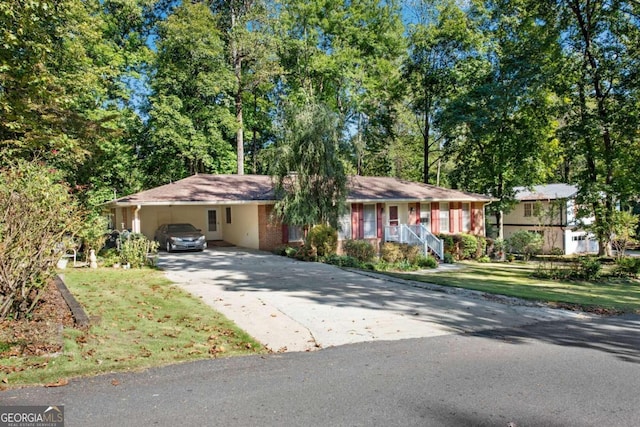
(370, 226)
(393, 216)
(212, 220)
(344, 226)
(227, 212)
(444, 217)
(295, 233)
(425, 214)
(466, 217)
(528, 209)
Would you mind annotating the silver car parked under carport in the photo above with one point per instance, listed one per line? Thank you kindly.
(174, 237)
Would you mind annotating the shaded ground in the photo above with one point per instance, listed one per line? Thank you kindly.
(40, 334)
(290, 305)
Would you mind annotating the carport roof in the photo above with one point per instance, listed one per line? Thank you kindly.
(236, 189)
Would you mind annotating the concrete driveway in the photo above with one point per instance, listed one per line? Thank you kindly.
(290, 305)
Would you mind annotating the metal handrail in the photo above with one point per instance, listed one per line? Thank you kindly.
(416, 234)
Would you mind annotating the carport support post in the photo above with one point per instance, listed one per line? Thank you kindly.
(135, 227)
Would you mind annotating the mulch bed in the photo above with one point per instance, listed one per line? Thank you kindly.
(41, 334)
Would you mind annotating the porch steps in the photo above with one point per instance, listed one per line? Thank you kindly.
(416, 235)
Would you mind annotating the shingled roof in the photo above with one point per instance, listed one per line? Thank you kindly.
(205, 189)
(546, 192)
(235, 189)
(374, 188)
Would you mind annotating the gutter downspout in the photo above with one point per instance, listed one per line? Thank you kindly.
(136, 220)
(484, 217)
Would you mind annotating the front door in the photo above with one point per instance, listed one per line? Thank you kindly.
(213, 231)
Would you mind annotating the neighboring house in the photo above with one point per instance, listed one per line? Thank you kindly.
(550, 210)
(237, 209)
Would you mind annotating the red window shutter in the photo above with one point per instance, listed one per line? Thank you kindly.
(476, 219)
(285, 233)
(435, 217)
(357, 221)
(379, 224)
(456, 218)
(360, 221)
(418, 213)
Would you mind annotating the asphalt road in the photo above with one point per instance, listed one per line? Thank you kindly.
(560, 373)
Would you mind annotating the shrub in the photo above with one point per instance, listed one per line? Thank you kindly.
(36, 212)
(627, 266)
(391, 252)
(280, 250)
(468, 246)
(499, 248)
(404, 265)
(291, 251)
(426, 261)
(482, 246)
(93, 233)
(306, 253)
(449, 244)
(361, 250)
(135, 248)
(525, 243)
(410, 253)
(484, 259)
(324, 239)
(588, 268)
(448, 258)
(552, 272)
(343, 261)
(109, 257)
(556, 251)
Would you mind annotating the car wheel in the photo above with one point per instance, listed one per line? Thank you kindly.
(169, 246)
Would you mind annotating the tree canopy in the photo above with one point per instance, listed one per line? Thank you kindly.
(121, 95)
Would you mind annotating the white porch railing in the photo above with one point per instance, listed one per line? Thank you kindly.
(417, 235)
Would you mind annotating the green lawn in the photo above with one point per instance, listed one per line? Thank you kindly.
(139, 320)
(517, 280)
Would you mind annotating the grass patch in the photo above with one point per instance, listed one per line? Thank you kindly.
(516, 280)
(139, 320)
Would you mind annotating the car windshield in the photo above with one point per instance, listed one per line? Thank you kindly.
(181, 228)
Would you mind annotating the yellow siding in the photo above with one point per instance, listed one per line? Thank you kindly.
(243, 230)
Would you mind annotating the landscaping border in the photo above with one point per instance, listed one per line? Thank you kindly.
(80, 318)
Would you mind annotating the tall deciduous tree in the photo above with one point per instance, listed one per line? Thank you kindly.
(190, 119)
(64, 92)
(40, 99)
(500, 132)
(251, 52)
(347, 56)
(601, 87)
(442, 45)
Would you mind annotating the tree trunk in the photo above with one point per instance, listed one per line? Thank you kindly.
(240, 132)
(500, 224)
(236, 59)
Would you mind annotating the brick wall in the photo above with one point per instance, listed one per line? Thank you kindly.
(270, 233)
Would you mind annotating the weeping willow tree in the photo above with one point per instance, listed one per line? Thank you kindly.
(310, 180)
